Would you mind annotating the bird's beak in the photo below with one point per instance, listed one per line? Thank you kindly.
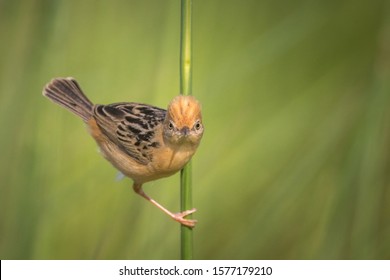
(185, 131)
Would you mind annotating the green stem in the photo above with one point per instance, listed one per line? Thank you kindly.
(185, 48)
(185, 89)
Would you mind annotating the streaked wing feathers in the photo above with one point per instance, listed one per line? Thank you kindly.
(131, 126)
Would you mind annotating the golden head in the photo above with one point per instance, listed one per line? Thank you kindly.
(183, 122)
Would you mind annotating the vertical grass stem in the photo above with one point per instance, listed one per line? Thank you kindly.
(185, 89)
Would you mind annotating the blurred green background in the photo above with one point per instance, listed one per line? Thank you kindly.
(295, 160)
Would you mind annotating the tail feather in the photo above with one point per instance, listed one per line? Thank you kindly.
(67, 93)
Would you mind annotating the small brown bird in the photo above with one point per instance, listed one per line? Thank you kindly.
(143, 142)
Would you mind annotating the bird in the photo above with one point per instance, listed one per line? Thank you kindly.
(143, 142)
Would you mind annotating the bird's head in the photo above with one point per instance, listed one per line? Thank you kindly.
(183, 122)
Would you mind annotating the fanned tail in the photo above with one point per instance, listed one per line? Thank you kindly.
(67, 93)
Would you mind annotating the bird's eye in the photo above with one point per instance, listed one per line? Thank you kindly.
(198, 125)
(171, 126)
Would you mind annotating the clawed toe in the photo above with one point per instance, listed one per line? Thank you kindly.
(186, 222)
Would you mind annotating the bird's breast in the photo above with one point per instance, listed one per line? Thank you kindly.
(170, 160)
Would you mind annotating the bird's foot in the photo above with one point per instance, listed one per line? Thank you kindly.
(186, 222)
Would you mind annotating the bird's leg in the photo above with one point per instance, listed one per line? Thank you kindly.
(179, 217)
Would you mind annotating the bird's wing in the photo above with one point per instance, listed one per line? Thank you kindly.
(132, 127)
